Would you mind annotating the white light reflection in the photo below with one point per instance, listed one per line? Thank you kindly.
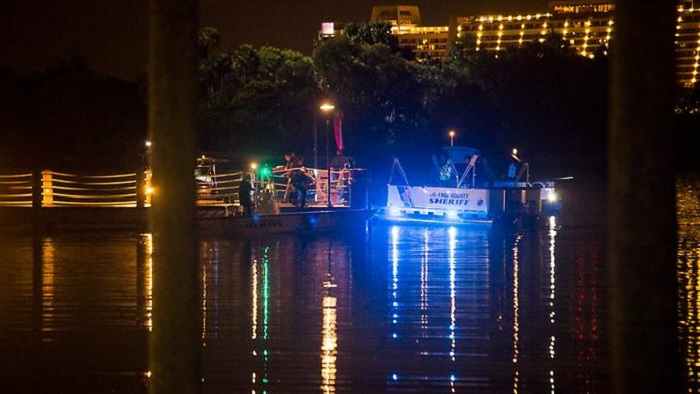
(395, 271)
(424, 286)
(453, 303)
(395, 280)
(257, 275)
(254, 305)
(148, 239)
(552, 291)
(204, 304)
(329, 344)
(516, 306)
(266, 310)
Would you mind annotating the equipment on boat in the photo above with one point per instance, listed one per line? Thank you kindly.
(465, 200)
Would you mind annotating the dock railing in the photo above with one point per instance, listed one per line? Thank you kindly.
(53, 189)
(16, 190)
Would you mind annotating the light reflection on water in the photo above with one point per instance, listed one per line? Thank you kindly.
(688, 202)
(404, 309)
(398, 309)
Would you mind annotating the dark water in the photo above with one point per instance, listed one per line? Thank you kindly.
(393, 309)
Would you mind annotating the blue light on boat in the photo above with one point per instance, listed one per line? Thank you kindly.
(394, 212)
(452, 215)
(395, 377)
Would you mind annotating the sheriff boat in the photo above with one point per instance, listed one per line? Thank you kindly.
(463, 200)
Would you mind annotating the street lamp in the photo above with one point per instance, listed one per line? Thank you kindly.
(452, 137)
(328, 108)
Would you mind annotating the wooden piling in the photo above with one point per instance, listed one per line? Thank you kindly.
(642, 211)
(175, 343)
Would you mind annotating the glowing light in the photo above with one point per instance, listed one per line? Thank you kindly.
(327, 107)
(148, 144)
(453, 215)
(253, 166)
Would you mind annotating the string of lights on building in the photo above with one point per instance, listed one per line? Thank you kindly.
(587, 25)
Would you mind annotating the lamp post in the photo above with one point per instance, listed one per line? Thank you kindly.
(452, 137)
(328, 108)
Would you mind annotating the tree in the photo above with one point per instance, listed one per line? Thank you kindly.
(252, 92)
(376, 89)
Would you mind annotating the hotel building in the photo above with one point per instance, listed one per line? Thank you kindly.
(588, 26)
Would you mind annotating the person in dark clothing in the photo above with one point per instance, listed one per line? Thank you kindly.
(290, 161)
(340, 173)
(341, 160)
(301, 177)
(245, 189)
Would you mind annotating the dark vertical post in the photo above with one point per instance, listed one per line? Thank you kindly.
(175, 346)
(140, 188)
(36, 201)
(315, 141)
(642, 211)
(328, 159)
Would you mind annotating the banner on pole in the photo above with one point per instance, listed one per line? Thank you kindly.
(338, 130)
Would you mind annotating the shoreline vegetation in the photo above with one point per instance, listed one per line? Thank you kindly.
(257, 103)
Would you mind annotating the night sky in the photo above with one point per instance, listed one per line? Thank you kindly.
(113, 34)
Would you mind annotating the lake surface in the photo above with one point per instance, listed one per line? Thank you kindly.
(390, 309)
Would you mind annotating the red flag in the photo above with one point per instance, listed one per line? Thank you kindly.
(338, 129)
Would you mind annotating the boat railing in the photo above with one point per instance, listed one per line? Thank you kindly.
(341, 181)
(219, 189)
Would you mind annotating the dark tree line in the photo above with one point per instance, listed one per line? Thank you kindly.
(543, 98)
(69, 118)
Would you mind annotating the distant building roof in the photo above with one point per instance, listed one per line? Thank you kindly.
(397, 15)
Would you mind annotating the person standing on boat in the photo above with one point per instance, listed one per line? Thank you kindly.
(512, 170)
(340, 172)
(245, 189)
(301, 177)
(289, 163)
